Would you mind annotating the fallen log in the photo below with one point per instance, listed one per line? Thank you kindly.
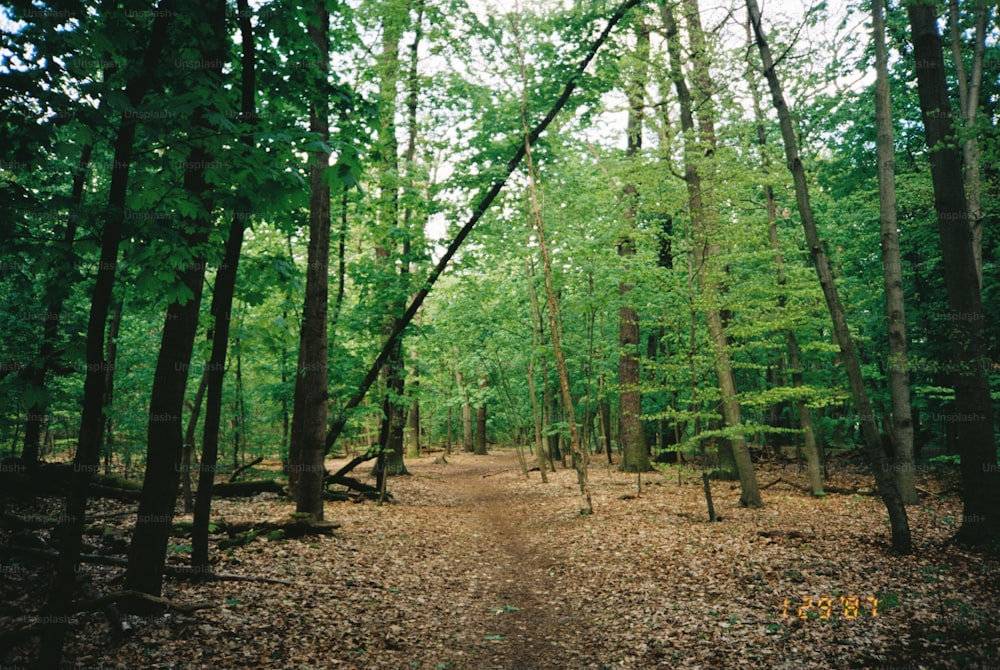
(247, 489)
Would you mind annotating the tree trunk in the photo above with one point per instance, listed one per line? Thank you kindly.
(109, 388)
(536, 338)
(811, 449)
(222, 304)
(467, 445)
(900, 529)
(311, 382)
(187, 456)
(164, 438)
(968, 98)
(704, 230)
(973, 417)
(892, 273)
(87, 457)
(481, 419)
(580, 455)
(635, 451)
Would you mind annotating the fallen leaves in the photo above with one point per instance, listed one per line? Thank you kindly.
(476, 567)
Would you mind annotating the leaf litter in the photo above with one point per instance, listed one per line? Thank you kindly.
(475, 566)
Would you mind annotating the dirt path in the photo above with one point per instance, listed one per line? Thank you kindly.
(474, 567)
(510, 528)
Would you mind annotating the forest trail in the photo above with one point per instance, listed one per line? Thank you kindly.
(511, 527)
(472, 566)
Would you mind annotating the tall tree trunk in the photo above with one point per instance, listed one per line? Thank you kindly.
(968, 98)
(222, 305)
(164, 437)
(580, 456)
(892, 272)
(704, 227)
(311, 382)
(810, 447)
(87, 456)
(635, 451)
(536, 337)
(413, 418)
(467, 445)
(973, 418)
(886, 483)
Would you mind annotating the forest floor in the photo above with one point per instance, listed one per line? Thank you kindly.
(473, 566)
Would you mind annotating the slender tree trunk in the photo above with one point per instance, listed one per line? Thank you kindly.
(87, 457)
(536, 329)
(222, 305)
(886, 483)
(467, 445)
(580, 455)
(187, 457)
(705, 231)
(892, 273)
(480, 444)
(973, 417)
(109, 385)
(164, 438)
(968, 90)
(810, 447)
(414, 416)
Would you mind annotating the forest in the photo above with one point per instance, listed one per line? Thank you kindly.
(499, 334)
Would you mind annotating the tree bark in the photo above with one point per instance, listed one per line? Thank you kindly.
(973, 418)
(111, 359)
(480, 445)
(536, 337)
(635, 451)
(467, 444)
(892, 273)
(395, 19)
(886, 483)
(187, 456)
(309, 419)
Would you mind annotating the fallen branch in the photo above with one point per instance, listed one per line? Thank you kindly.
(779, 480)
(116, 561)
(138, 596)
(243, 468)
